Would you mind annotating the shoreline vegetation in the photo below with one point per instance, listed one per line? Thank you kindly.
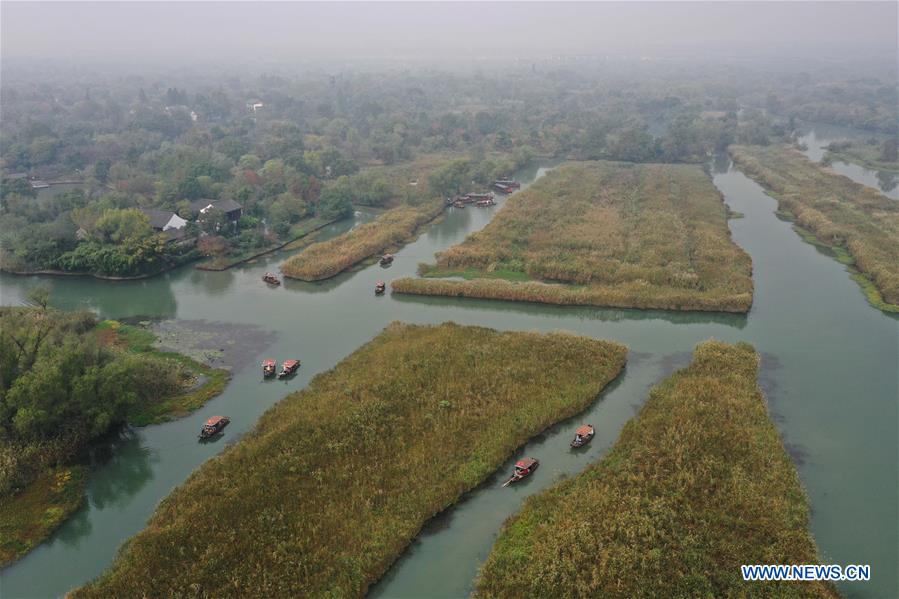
(871, 154)
(414, 191)
(303, 231)
(187, 259)
(201, 382)
(648, 236)
(697, 484)
(859, 224)
(337, 479)
(102, 375)
(327, 259)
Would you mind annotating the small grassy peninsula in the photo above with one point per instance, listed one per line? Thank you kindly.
(858, 223)
(329, 258)
(698, 484)
(606, 234)
(337, 479)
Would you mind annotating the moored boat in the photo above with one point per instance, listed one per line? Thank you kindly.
(289, 368)
(380, 287)
(214, 426)
(502, 188)
(476, 197)
(271, 278)
(269, 367)
(386, 260)
(458, 204)
(583, 435)
(511, 183)
(486, 203)
(523, 468)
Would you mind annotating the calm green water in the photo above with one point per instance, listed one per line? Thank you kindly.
(820, 136)
(830, 372)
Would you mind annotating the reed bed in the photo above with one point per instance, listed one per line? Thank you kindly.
(337, 479)
(697, 484)
(608, 234)
(329, 258)
(836, 210)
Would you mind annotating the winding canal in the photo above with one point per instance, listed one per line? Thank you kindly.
(829, 370)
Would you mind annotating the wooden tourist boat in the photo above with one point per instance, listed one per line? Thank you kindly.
(486, 203)
(583, 435)
(386, 260)
(214, 426)
(271, 278)
(289, 368)
(269, 367)
(380, 287)
(523, 468)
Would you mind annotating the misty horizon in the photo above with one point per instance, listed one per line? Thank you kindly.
(319, 34)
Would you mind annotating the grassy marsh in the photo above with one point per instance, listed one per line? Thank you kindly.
(839, 213)
(326, 259)
(696, 485)
(28, 518)
(337, 479)
(607, 234)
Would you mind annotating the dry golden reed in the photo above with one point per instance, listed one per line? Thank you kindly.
(607, 234)
(337, 479)
(696, 485)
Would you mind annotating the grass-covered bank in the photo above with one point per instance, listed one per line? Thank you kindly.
(65, 381)
(28, 518)
(696, 485)
(607, 234)
(337, 479)
(329, 258)
(840, 213)
(198, 383)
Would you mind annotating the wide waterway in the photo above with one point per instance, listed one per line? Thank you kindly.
(829, 370)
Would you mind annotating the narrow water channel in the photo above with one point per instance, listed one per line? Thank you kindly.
(829, 369)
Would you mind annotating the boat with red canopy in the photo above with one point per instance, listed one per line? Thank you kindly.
(289, 367)
(583, 435)
(214, 426)
(523, 467)
(269, 367)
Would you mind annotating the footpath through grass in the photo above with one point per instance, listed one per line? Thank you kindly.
(337, 479)
(698, 484)
(606, 234)
(839, 212)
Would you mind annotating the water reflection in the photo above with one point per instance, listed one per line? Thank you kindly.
(819, 136)
(887, 180)
(122, 467)
(214, 283)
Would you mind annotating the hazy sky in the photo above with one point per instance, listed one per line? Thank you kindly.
(218, 32)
